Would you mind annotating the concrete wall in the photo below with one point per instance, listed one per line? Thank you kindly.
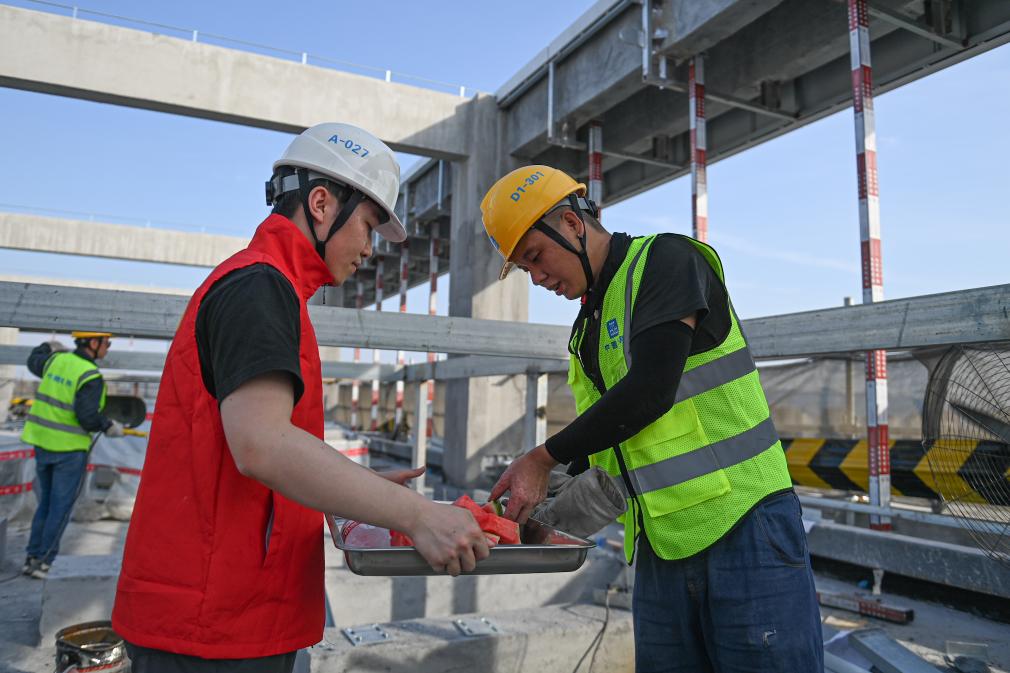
(99, 62)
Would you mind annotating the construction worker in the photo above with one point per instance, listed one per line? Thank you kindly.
(223, 564)
(670, 404)
(67, 408)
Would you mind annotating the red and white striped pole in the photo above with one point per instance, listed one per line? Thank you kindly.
(400, 358)
(596, 163)
(699, 180)
(432, 310)
(869, 235)
(359, 300)
(379, 269)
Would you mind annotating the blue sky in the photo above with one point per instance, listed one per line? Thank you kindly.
(783, 215)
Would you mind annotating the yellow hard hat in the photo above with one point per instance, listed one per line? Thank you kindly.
(90, 335)
(518, 200)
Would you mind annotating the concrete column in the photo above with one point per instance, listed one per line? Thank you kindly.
(483, 415)
(8, 336)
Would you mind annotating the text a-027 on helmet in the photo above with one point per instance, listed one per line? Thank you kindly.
(349, 144)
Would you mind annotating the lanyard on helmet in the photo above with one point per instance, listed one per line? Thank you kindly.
(583, 254)
(342, 216)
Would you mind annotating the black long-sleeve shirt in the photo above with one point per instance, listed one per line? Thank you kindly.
(87, 400)
(677, 282)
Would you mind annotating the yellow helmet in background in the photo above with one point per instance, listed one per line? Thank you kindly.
(517, 201)
(90, 335)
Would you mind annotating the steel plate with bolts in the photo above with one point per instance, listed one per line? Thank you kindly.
(544, 550)
(362, 635)
(476, 626)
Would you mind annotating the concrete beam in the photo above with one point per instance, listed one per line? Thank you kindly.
(36, 233)
(940, 562)
(108, 64)
(551, 638)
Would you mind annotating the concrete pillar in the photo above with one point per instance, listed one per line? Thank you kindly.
(484, 416)
(8, 336)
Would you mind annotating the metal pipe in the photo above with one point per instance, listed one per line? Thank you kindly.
(441, 177)
(404, 281)
(699, 180)
(419, 455)
(550, 102)
(646, 39)
(359, 300)
(535, 419)
(432, 310)
(873, 280)
(379, 270)
(596, 163)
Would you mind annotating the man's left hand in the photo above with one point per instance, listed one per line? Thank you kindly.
(526, 481)
(401, 477)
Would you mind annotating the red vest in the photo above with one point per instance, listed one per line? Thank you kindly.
(216, 564)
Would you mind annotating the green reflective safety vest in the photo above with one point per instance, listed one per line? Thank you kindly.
(712, 457)
(52, 423)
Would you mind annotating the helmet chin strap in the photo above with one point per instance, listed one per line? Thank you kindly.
(583, 254)
(341, 219)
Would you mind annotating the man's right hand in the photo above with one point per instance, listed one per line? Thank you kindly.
(449, 538)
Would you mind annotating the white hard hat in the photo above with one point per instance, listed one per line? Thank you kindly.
(348, 155)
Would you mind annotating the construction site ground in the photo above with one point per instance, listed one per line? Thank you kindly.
(21, 608)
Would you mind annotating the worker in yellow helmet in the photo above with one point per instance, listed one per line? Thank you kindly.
(67, 408)
(670, 405)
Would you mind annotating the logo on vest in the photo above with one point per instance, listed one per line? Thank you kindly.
(612, 329)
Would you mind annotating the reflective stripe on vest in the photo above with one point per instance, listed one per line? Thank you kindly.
(62, 427)
(40, 397)
(687, 466)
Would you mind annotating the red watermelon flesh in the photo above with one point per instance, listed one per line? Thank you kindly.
(398, 539)
(506, 529)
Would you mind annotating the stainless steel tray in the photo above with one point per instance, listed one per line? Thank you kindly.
(545, 550)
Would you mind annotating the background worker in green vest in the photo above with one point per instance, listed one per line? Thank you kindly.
(670, 404)
(67, 408)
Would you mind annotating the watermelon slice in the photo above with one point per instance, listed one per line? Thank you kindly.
(466, 502)
(506, 529)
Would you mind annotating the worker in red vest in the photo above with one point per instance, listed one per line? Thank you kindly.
(224, 556)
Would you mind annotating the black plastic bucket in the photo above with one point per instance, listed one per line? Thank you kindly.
(91, 646)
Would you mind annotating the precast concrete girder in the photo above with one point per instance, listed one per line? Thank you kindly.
(770, 68)
(94, 61)
(37, 233)
(608, 67)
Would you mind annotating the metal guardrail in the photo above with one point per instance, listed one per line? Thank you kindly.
(965, 316)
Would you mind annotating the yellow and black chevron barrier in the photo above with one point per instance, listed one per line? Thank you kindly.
(970, 472)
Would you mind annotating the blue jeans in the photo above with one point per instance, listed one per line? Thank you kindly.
(747, 604)
(58, 477)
